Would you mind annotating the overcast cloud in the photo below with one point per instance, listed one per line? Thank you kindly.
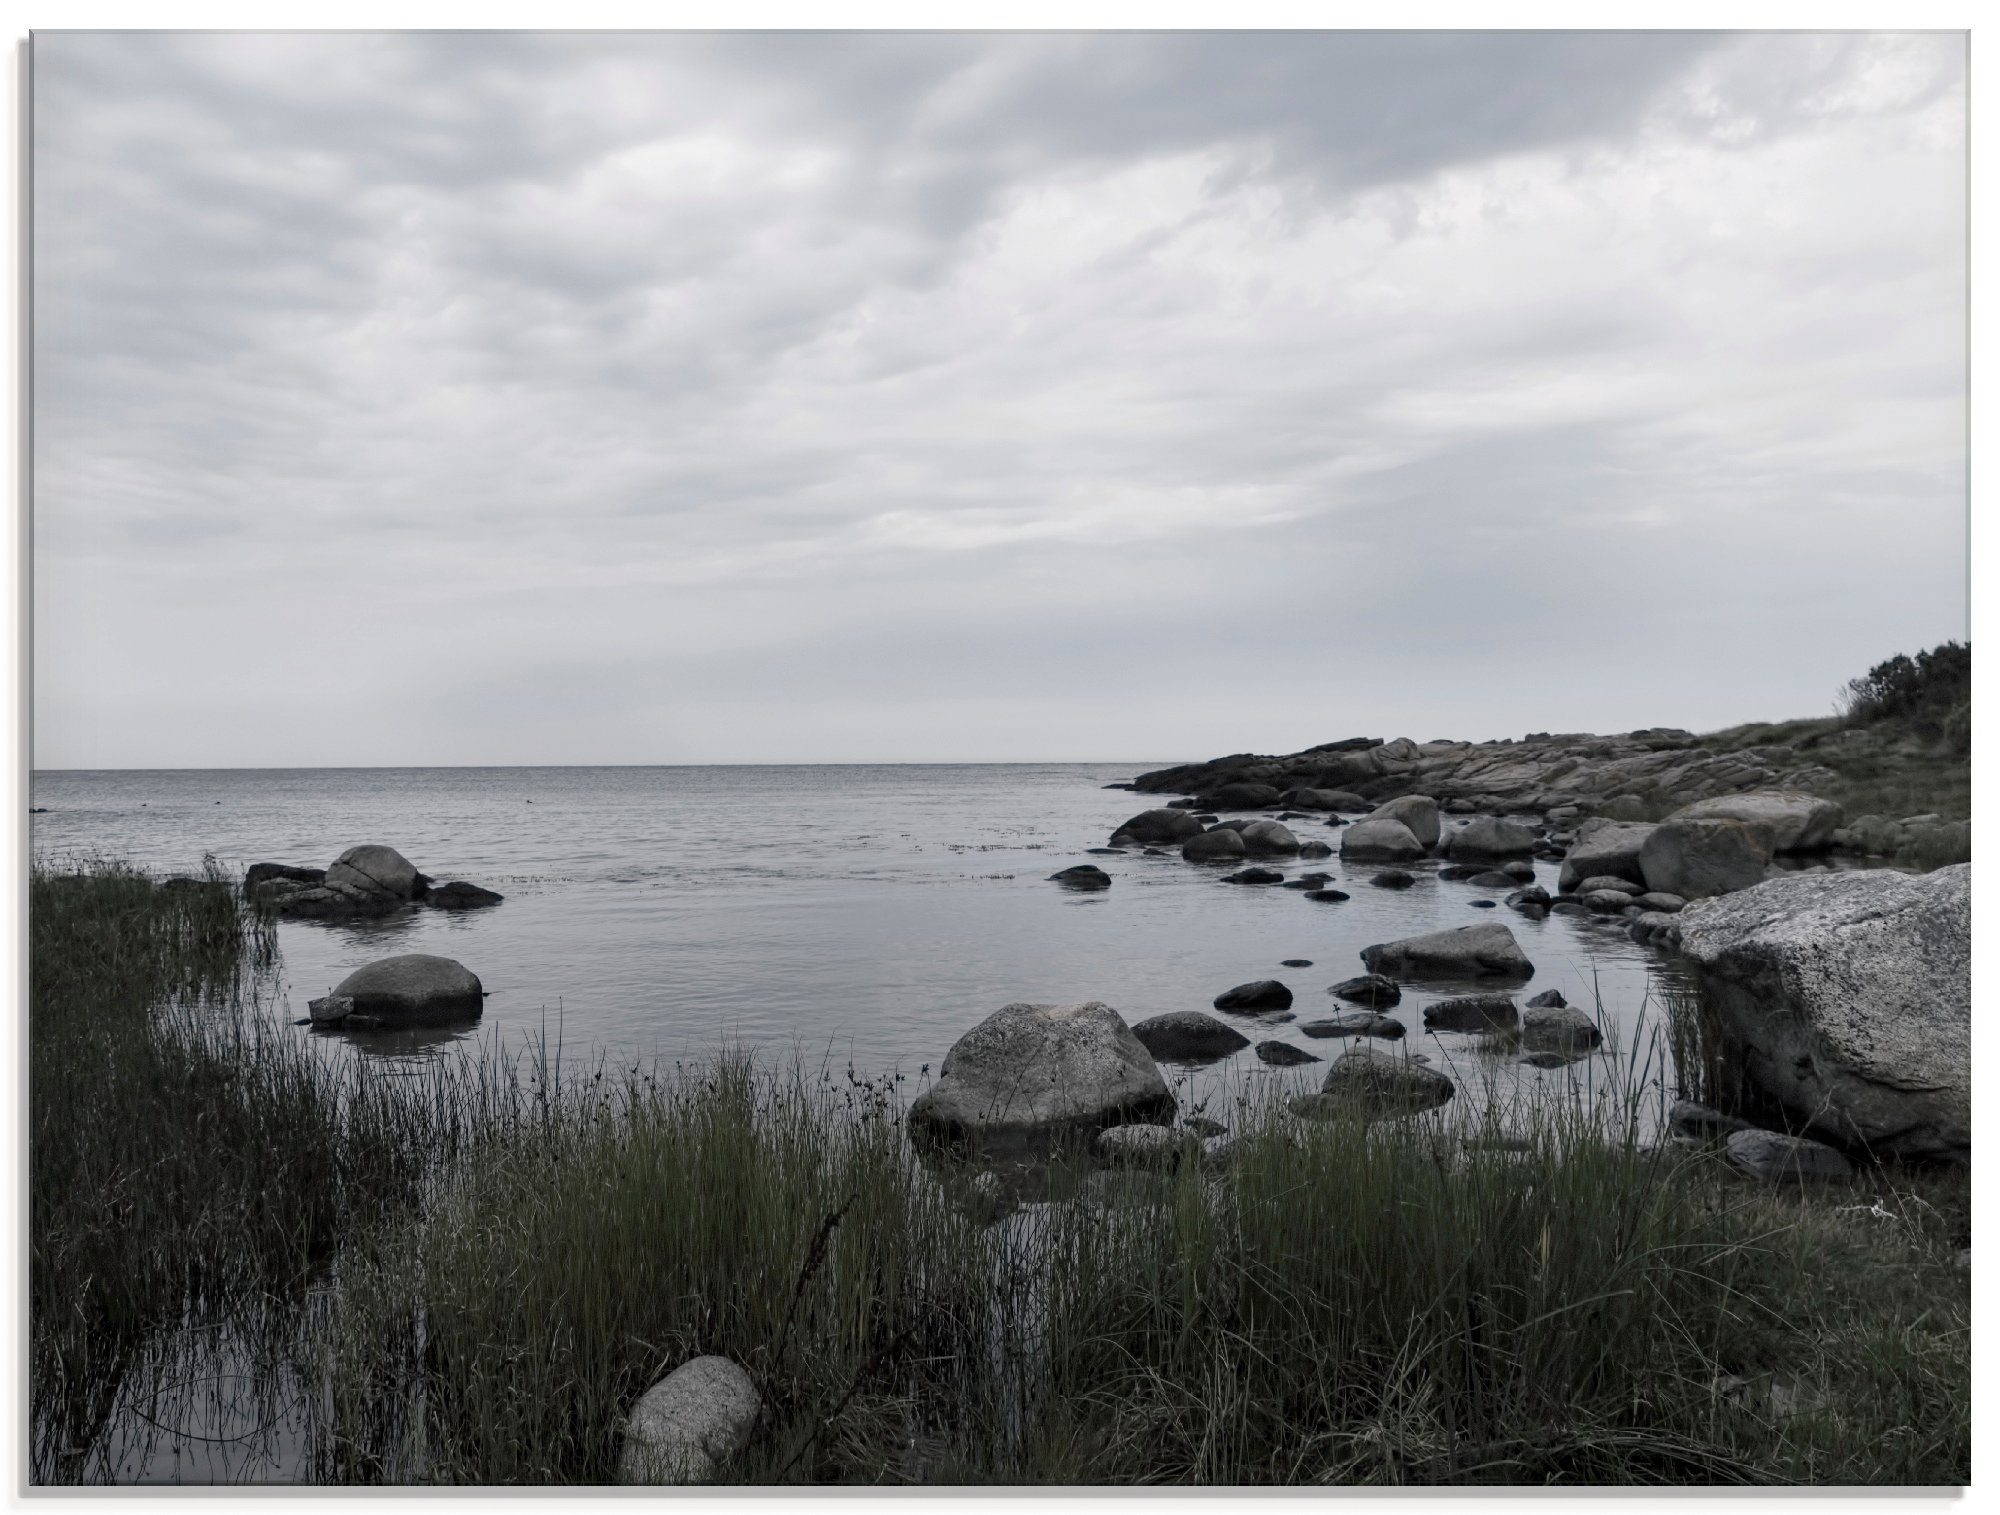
(432, 399)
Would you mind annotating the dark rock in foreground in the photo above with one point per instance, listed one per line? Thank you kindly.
(1373, 1085)
(1487, 950)
(1478, 1012)
(1355, 1023)
(1283, 1054)
(1369, 989)
(1773, 1158)
(415, 989)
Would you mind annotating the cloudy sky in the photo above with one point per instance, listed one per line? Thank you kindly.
(508, 399)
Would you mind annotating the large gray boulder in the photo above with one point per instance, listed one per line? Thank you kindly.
(1155, 827)
(1222, 844)
(1698, 858)
(1268, 839)
(381, 869)
(687, 1424)
(1488, 836)
(414, 989)
(1604, 849)
(1029, 1070)
(1419, 812)
(1380, 840)
(1487, 950)
(1846, 999)
(1788, 820)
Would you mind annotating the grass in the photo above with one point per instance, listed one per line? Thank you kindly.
(503, 1257)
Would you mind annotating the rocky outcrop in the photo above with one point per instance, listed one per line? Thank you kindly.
(689, 1423)
(1487, 950)
(1188, 1036)
(1697, 858)
(1039, 1070)
(1787, 820)
(1380, 840)
(1656, 767)
(415, 989)
(1845, 999)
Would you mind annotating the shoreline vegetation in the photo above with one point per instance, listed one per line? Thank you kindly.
(471, 1274)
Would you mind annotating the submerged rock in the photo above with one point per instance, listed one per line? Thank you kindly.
(1082, 876)
(1478, 1012)
(260, 873)
(1156, 826)
(1039, 1069)
(1254, 876)
(689, 1423)
(1393, 878)
(1355, 1023)
(459, 895)
(1283, 1054)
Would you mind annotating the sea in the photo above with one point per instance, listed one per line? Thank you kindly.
(859, 916)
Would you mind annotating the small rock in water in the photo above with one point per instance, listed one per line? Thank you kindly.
(1559, 1028)
(1327, 896)
(1550, 1059)
(1186, 1036)
(1254, 876)
(1356, 1023)
(1393, 878)
(1082, 876)
(1105, 851)
(1482, 905)
(1296, 962)
(1315, 849)
(1548, 999)
(1474, 1012)
(459, 895)
(1283, 1055)
(1369, 989)
(1492, 880)
(1263, 994)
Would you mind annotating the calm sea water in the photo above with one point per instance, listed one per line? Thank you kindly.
(870, 914)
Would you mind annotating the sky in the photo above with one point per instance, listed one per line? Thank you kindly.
(410, 399)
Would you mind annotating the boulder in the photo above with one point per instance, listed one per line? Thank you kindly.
(1283, 1054)
(1489, 837)
(1655, 928)
(1327, 896)
(1558, 1028)
(1773, 1158)
(1082, 876)
(412, 990)
(1356, 1023)
(1699, 858)
(1188, 1036)
(259, 873)
(1264, 994)
(1533, 896)
(1152, 827)
(1417, 812)
(1373, 1085)
(1845, 998)
(1369, 989)
(689, 1423)
(1219, 845)
(1604, 849)
(383, 870)
(1380, 839)
(1037, 1070)
(1477, 1012)
(1548, 999)
(1241, 796)
(1690, 1122)
(1269, 839)
(1606, 901)
(1315, 849)
(1393, 878)
(330, 1010)
(1492, 879)
(459, 895)
(1668, 904)
(1487, 950)
(1787, 819)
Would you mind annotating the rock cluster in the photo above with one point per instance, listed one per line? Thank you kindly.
(363, 881)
